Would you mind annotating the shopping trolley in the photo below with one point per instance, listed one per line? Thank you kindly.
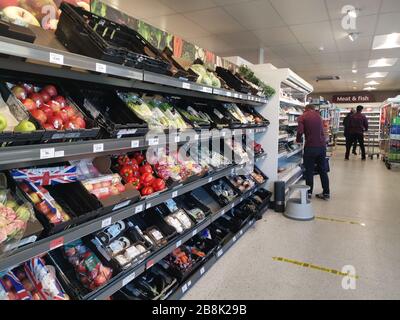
(372, 144)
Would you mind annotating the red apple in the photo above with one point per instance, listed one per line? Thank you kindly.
(29, 104)
(37, 98)
(48, 126)
(56, 121)
(54, 105)
(97, 185)
(47, 110)
(114, 190)
(28, 285)
(45, 96)
(61, 100)
(69, 126)
(19, 92)
(62, 115)
(120, 187)
(70, 111)
(39, 115)
(100, 280)
(78, 122)
(29, 88)
(51, 90)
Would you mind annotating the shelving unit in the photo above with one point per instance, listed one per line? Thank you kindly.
(33, 59)
(282, 110)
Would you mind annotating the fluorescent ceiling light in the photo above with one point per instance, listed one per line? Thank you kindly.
(372, 83)
(383, 62)
(369, 89)
(376, 75)
(354, 81)
(354, 70)
(386, 41)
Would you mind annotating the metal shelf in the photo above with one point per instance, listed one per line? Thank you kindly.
(286, 176)
(194, 278)
(293, 124)
(22, 156)
(291, 102)
(291, 154)
(49, 243)
(58, 63)
(128, 275)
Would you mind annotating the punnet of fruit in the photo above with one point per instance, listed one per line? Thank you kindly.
(52, 110)
(14, 218)
(104, 186)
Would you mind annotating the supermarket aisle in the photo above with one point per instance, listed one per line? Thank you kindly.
(364, 192)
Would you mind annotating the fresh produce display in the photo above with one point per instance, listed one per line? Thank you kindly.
(234, 110)
(51, 110)
(175, 120)
(91, 273)
(104, 186)
(15, 215)
(242, 183)
(172, 166)
(137, 171)
(223, 192)
(178, 218)
(197, 117)
(257, 176)
(249, 75)
(33, 280)
(32, 181)
(205, 77)
(252, 118)
(240, 155)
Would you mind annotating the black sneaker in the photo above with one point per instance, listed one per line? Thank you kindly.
(355, 153)
(323, 196)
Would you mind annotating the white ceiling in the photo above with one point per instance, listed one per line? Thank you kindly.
(290, 31)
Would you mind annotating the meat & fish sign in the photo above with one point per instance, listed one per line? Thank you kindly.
(353, 98)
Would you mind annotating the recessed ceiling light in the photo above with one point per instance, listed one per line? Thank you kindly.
(355, 81)
(321, 48)
(376, 75)
(383, 62)
(369, 88)
(354, 70)
(386, 41)
(372, 83)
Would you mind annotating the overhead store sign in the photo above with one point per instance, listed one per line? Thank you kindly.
(353, 98)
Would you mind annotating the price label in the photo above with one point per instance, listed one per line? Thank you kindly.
(174, 194)
(106, 222)
(178, 244)
(139, 209)
(233, 171)
(236, 95)
(196, 137)
(59, 154)
(189, 283)
(149, 264)
(207, 90)
(56, 58)
(229, 94)
(234, 239)
(148, 205)
(47, 153)
(241, 199)
(184, 288)
(186, 85)
(202, 270)
(56, 243)
(100, 67)
(241, 232)
(210, 179)
(134, 143)
(194, 232)
(223, 133)
(98, 147)
(153, 142)
(177, 139)
(232, 205)
(220, 253)
(128, 279)
(222, 212)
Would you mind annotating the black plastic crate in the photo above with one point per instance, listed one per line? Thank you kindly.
(91, 130)
(221, 198)
(86, 33)
(232, 80)
(109, 112)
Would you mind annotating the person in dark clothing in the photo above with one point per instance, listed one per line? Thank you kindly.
(311, 125)
(346, 130)
(357, 125)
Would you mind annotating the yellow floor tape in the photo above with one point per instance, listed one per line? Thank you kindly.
(339, 220)
(313, 266)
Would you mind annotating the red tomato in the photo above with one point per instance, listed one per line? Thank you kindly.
(158, 184)
(147, 191)
(133, 180)
(126, 171)
(139, 157)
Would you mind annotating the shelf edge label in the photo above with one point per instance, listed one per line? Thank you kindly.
(56, 58)
(128, 279)
(100, 67)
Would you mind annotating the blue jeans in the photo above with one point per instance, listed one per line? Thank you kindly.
(316, 156)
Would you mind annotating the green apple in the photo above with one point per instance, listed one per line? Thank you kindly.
(11, 204)
(23, 213)
(3, 123)
(25, 126)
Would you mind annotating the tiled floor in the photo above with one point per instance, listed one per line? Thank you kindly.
(364, 192)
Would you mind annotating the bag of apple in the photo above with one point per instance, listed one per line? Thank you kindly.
(14, 218)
